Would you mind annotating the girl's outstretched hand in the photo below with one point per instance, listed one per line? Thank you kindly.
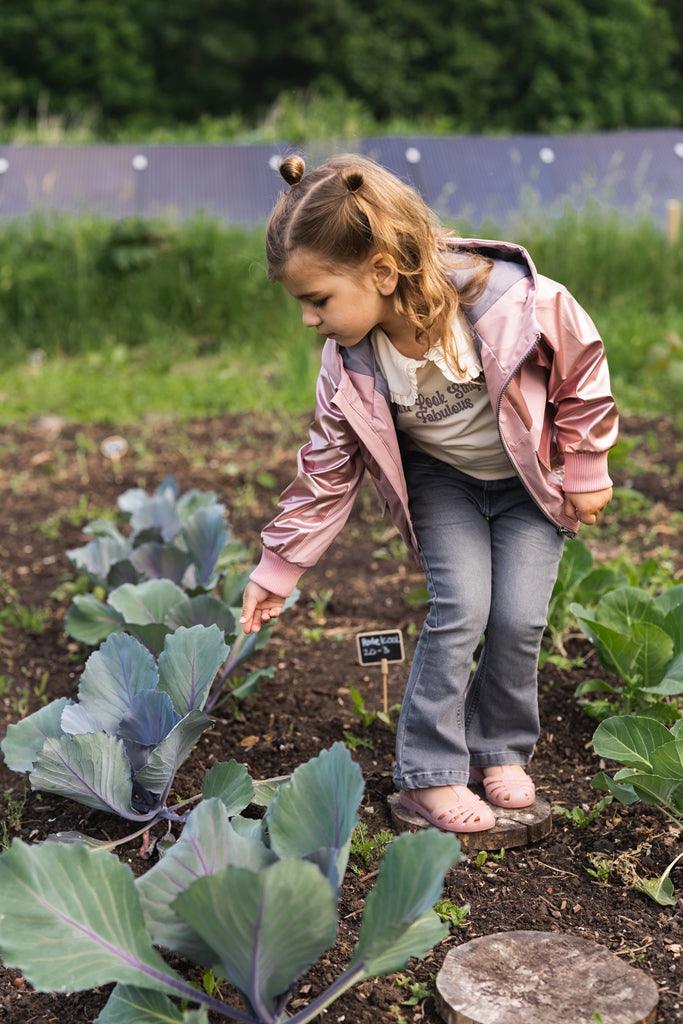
(587, 505)
(258, 607)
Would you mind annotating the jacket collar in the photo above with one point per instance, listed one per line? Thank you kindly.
(512, 263)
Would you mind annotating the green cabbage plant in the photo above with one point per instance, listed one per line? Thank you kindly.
(640, 639)
(254, 901)
(172, 536)
(652, 756)
(118, 746)
(161, 576)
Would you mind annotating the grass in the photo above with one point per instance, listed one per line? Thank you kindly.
(121, 386)
(108, 323)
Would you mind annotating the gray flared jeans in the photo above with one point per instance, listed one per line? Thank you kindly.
(491, 559)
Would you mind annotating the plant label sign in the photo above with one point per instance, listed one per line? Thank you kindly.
(376, 647)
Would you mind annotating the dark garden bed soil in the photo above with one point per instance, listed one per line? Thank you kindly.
(306, 707)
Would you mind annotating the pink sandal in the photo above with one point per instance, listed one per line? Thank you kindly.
(504, 790)
(468, 813)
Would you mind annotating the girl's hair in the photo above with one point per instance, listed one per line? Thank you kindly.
(350, 208)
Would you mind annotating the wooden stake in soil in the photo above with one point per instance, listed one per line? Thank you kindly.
(513, 827)
(529, 977)
(385, 686)
(673, 220)
(114, 448)
(381, 647)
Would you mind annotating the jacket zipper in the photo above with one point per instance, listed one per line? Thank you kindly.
(561, 529)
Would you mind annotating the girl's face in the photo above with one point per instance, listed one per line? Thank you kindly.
(338, 305)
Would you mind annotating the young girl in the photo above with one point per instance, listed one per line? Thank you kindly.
(476, 393)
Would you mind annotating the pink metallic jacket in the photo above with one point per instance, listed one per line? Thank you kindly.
(547, 376)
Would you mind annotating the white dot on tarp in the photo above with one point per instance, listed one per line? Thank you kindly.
(413, 155)
(4, 165)
(547, 155)
(678, 149)
(140, 162)
(274, 162)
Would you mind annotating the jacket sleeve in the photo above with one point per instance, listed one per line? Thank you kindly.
(316, 505)
(586, 420)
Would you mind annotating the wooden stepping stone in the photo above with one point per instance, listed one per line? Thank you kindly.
(513, 827)
(530, 977)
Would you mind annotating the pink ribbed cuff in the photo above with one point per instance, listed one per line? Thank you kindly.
(276, 574)
(585, 471)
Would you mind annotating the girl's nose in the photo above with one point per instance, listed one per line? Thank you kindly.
(311, 319)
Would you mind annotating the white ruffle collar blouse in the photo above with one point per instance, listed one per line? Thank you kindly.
(401, 371)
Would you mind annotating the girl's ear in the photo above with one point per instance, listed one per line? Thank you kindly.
(384, 274)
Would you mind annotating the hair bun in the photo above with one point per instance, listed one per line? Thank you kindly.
(292, 169)
(353, 180)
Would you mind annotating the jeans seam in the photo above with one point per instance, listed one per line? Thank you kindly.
(476, 695)
(409, 696)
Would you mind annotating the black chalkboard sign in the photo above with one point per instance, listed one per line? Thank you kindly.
(374, 647)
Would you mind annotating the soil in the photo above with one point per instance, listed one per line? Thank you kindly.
(48, 480)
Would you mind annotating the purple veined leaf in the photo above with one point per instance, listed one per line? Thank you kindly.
(158, 774)
(189, 663)
(168, 489)
(207, 844)
(146, 603)
(248, 686)
(90, 621)
(25, 739)
(150, 719)
(193, 499)
(122, 572)
(72, 919)
(313, 814)
(231, 783)
(152, 637)
(157, 512)
(131, 500)
(113, 675)
(203, 610)
(398, 919)
(130, 1005)
(152, 535)
(92, 769)
(205, 535)
(76, 720)
(160, 561)
(103, 528)
(285, 916)
(97, 557)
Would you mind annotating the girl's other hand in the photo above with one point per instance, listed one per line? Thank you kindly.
(586, 506)
(258, 607)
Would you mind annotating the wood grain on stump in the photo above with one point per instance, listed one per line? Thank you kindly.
(530, 977)
(513, 827)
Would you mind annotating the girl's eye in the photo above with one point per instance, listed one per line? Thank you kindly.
(321, 302)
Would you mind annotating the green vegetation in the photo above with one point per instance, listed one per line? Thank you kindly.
(110, 322)
(275, 883)
(469, 67)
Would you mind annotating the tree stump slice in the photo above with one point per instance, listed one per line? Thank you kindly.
(513, 827)
(530, 977)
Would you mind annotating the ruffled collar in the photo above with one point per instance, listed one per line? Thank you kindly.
(401, 371)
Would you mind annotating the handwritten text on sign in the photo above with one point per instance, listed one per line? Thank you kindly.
(373, 647)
